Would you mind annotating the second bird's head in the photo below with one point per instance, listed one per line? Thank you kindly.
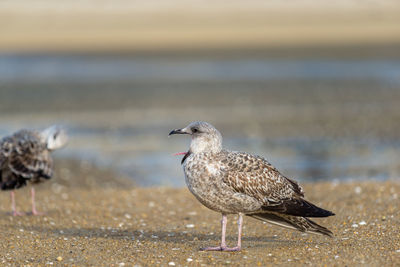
(55, 137)
(205, 138)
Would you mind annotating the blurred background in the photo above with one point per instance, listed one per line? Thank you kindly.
(313, 86)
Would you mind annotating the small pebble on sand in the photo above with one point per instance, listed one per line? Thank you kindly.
(357, 190)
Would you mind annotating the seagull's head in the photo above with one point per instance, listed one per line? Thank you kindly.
(55, 137)
(205, 138)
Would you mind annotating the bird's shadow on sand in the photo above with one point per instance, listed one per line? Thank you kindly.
(173, 236)
(22, 214)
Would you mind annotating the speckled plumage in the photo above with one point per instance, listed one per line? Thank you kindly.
(233, 182)
(24, 157)
(240, 183)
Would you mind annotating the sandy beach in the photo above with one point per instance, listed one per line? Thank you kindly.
(113, 223)
(175, 25)
(312, 86)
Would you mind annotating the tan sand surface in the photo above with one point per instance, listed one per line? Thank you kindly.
(116, 224)
(175, 25)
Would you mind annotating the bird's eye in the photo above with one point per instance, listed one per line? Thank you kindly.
(195, 130)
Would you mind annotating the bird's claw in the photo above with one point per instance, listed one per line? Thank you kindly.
(221, 248)
(17, 213)
(231, 249)
(37, 213)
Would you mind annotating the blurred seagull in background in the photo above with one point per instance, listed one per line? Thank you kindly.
(25, 156)
(240, 183)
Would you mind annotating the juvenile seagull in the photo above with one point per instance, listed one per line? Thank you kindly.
(239, 183)
(25, 156)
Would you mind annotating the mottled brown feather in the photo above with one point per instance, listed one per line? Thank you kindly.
(256, 177)
(23, 156)
(253, 175)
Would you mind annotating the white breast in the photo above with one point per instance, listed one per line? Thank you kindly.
(212, 169)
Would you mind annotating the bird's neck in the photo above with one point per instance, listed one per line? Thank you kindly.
(199, 145)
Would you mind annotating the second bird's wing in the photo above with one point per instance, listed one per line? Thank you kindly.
(29, 156)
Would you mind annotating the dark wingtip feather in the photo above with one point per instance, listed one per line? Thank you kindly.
(299, 207)
(310, 210)
(331, 213)
(320, 212)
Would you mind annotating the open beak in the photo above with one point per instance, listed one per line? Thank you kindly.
(178, 131)
(179, 153)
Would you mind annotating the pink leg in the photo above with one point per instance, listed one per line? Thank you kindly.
(223, 242)
(239, 242)
(34, 211)
(223, 246)
(13, 208)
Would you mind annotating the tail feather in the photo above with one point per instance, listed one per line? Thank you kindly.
(293, 222)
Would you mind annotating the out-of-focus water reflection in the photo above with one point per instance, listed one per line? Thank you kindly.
(90, 68)
(313, 119)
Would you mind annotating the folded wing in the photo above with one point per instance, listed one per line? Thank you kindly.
(23, 157)
(256, 177)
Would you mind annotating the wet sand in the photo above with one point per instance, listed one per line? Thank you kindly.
(113, 223)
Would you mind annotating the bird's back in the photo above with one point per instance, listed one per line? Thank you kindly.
(246, 183)
(233, 182)
(23, 156)
(254, 175)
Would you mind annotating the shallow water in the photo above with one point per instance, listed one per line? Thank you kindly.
(14, 68)
(313, 119)
(305, 159)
